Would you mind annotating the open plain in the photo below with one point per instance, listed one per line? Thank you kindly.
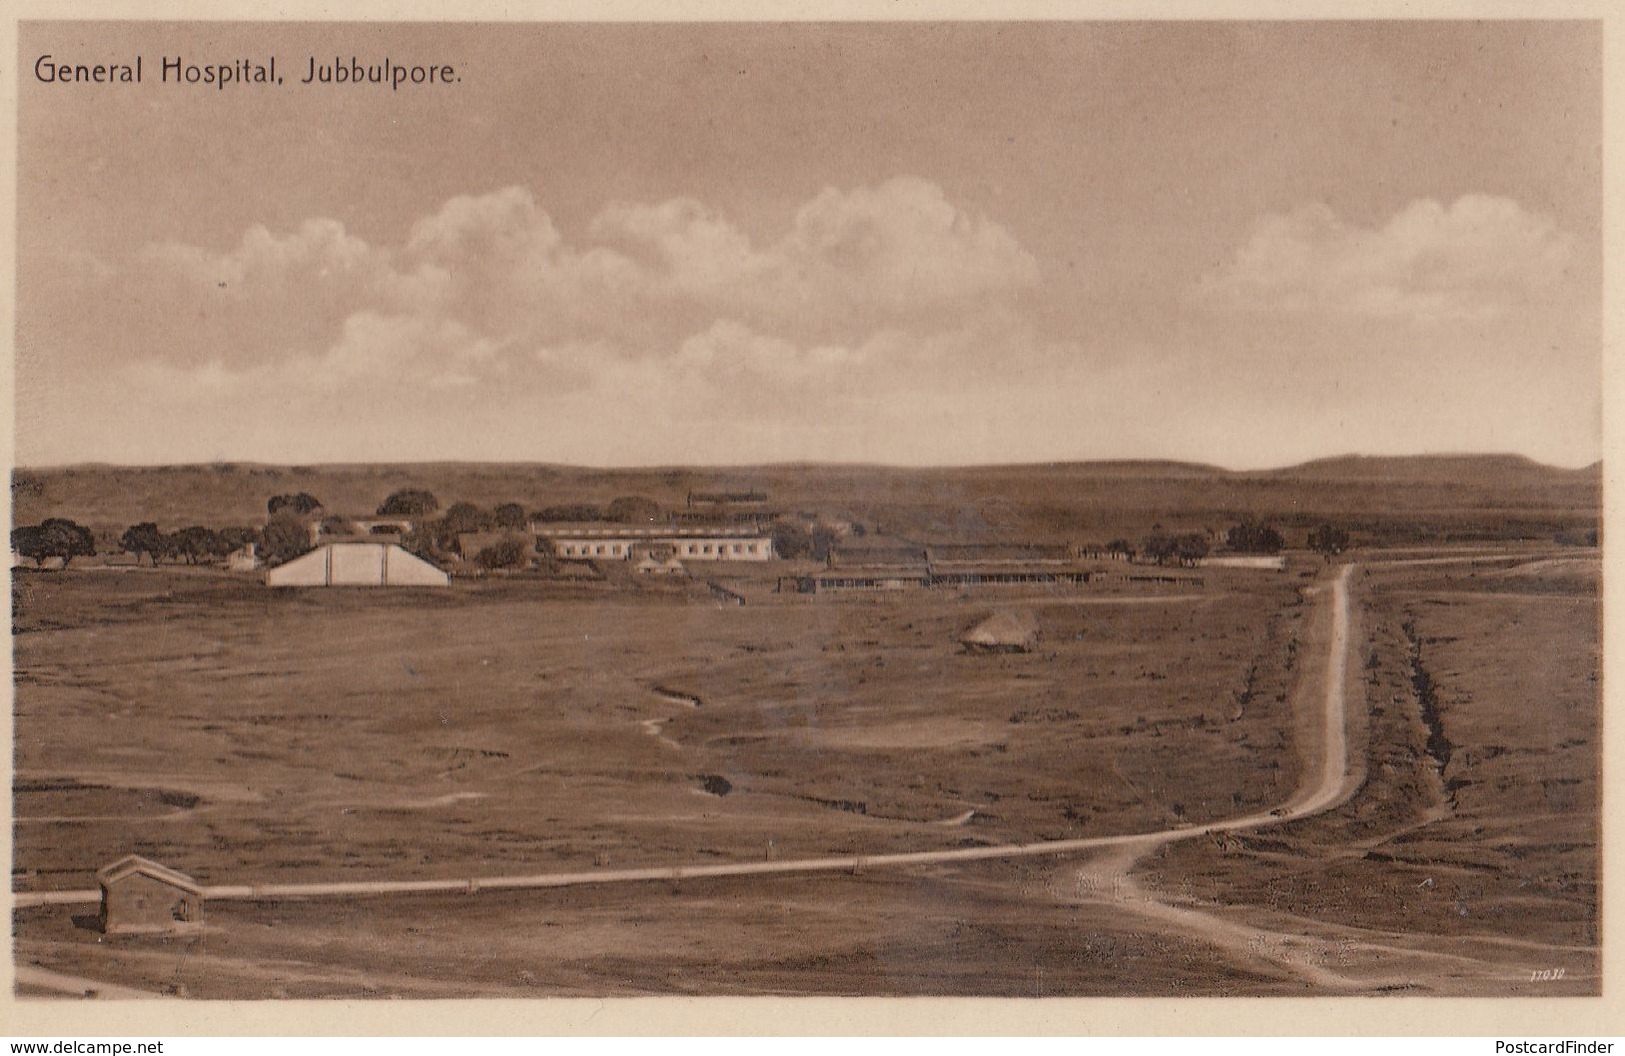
(506, 727)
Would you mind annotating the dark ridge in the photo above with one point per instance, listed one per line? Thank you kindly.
(1340, 465)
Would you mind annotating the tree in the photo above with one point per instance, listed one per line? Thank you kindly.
(336, 525)
(237, 538)
(1190, 548)
(53, 537)
(1121, 549)
(790, 540)
(424, 541)
(509, 553)
(633, 509)
(510, 515)
(1249, 537)
(301, 504)
(284, 539)
(67, 540)
(29, 542)
(143, 538)
(440, 537)
(1328, 540)
(819, 541)
(409, 502)
(573, 512)
(1158, 546)
(465, 517)
(197, 543)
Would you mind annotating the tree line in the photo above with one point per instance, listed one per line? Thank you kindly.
(436, 533)
(1246, 537)
(194, 544)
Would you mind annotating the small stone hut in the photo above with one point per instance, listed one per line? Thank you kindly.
(139, 895)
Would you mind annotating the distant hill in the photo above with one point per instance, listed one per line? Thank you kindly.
(1462, 496)
(1492, 469)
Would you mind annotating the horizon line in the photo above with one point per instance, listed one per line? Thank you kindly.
(818, 463)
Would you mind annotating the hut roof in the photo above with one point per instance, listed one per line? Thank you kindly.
(133, 864)
(1004, 630)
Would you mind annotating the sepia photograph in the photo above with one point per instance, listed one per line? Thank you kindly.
(842, 509)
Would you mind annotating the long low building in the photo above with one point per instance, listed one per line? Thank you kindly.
(620, 542)
(1009, 575)
(1265, 563)
(897, 578)
(900, 564)
(857, 578)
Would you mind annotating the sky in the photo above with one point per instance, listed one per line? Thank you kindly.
(1244, 244)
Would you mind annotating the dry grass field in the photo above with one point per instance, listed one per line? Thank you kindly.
(245, 735)
(1471, 848)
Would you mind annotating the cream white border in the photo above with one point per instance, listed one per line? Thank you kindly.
(1565, 1017)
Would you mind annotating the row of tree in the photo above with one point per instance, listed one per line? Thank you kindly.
(1329, 540)
(194, 544)
(287, 533)
(1248, 537)
(1186, 548)
(417, 502)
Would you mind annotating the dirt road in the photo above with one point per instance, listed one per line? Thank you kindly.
(1327, 958)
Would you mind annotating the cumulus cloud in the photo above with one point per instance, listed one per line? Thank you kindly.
(488, 285)
(680, 247)
(904, 243)
(1473, 260)
(397, 387)
(898, 247)
(318, 248)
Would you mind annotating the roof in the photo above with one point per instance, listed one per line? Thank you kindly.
(1012, 568)
(980, 553)
(907, 554)
(612, 530)
(134, 864)
(867, 572)
(1004, 629)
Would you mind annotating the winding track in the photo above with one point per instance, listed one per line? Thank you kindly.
(1334, 784)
